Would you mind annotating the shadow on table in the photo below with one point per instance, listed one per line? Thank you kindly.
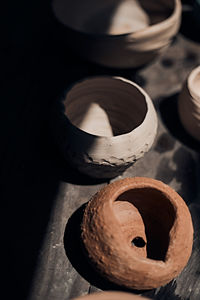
(181, 166)
(186, 285)
(169, 113)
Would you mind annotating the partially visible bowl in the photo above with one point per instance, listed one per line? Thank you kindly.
(189, 104)
(118, 33)
(104, 124)
(111, 295)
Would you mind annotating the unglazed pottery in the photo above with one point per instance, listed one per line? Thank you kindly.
(137, 233)
(111, 296)
(119, 33)
(107, 124)
(189, 104)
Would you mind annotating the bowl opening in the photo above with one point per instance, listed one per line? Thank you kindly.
(112, 17)
(150, 219)
(105, 106)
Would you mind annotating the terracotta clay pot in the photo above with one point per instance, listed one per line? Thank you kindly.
(189, 104)
(137, 233)
(118, 33)
(111, 296)
(107, 123)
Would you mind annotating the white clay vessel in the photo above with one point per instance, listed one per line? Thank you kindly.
(189, 104)
(105, 125)
(118, 33)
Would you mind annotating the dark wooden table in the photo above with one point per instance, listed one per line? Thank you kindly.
(42, 197)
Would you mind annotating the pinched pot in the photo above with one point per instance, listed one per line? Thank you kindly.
(118, 33)
(137, 233)
(189, 104)
(111, 296)
(104, 125)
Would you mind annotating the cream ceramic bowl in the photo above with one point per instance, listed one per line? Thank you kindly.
(189, 104)
(111, 295)
(118, 33)
(107, 123)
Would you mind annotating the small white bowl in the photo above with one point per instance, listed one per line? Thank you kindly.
(189, 104)
(105, 125)
(118, 33)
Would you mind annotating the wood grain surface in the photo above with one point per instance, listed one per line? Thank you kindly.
(42, 198)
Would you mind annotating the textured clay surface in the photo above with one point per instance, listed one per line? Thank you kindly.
(189, 104)
(111, 296)
(138, 233)
(110, 123)
(143, 28)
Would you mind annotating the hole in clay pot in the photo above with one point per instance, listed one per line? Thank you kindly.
(105, 106)
(146, 213)
(111, 16)
(138, 242)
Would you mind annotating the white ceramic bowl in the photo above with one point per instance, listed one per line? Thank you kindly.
(189, 104)
(105, 125)
(118, 33)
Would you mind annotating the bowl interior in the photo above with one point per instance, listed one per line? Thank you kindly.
(146, 217)
(105, 106)
(111, 17)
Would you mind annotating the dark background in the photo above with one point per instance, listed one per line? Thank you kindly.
(31, 69)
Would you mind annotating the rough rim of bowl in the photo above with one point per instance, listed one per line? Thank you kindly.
(161, 271)
(140, 34)
(190, 79)
(147, 99)
(111, 295)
